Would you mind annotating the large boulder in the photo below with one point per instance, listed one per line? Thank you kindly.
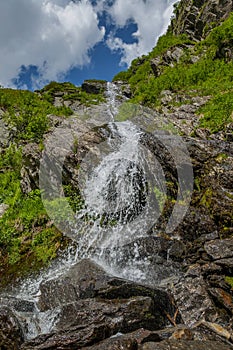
(220, 249)
(156, 259)
(87, 280)
(92, 305)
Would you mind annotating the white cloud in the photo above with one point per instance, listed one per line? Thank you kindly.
(54, 35)
(152, 18)
(57, 35)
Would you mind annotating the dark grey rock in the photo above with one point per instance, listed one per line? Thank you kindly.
(87, 280)
(30, 170)
(193, 299)
(220, 249)
(94, 86)
(192, 17)
(11, 335)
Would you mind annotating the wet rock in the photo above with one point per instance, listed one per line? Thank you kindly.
(86, 339)
(155, 259)
(61, 155)
(11, 335)
(81, 281)
(124, 89)
(120, 315)
(75, 338)
(86, 295)
(19, 305)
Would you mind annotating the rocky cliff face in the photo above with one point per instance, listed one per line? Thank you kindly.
(196, 18)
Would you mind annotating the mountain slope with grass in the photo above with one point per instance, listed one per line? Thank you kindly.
(28, 238)
(185, 62)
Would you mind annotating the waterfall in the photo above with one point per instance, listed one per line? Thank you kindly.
(121, 206)
(111, 94)
(119, 195)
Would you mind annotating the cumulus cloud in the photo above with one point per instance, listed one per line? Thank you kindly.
(57, 35)
(152, 18)
(54, 35)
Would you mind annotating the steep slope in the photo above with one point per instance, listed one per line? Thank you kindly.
(196, 18)
(190, 64)
(28, 238)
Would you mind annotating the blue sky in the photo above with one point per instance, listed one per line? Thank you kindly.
(63, 40)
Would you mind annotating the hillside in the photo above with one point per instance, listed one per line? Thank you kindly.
(174, 288)
(194, 58)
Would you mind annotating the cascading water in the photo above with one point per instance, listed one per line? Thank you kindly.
(119, 194)
(120, 207)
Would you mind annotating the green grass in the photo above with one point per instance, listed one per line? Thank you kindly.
(218, 112)
(26, 228)
(210, 75)
(84, 98)
(27, 113)
(72, 93)
(229, 280)
(28, 237)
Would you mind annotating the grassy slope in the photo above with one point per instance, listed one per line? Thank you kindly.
(28, 239)
(210, 75)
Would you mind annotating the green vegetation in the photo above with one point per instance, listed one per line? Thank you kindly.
(69, 92)
(218, 112)
(211, 74)
(85, 98)
(27, 113)
(229, 280)
(28, 238)
(24, 230)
